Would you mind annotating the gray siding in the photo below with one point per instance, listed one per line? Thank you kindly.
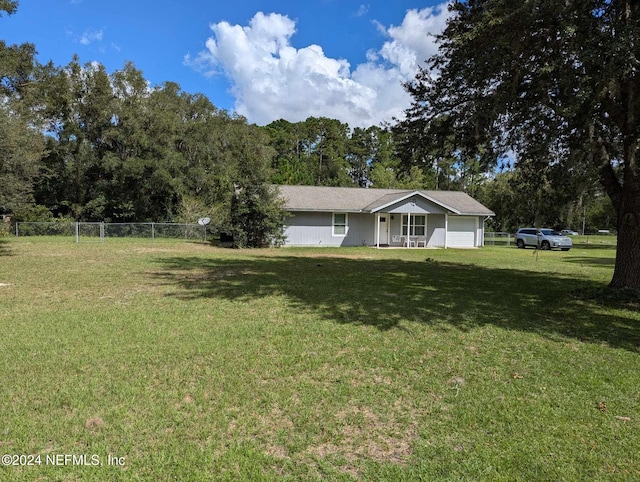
(316, 229)
(435, 230)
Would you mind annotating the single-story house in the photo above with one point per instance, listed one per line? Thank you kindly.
(343, 216)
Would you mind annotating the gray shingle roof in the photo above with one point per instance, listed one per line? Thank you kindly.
(354, 199)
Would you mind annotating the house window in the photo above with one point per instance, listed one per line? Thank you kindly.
(418, 225)
(339, 224)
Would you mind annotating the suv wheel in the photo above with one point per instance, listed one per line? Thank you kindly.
(520, 244)
(545, 245)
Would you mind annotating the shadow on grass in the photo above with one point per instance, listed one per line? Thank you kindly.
(594, 245)
(390, 293)
(590, 261)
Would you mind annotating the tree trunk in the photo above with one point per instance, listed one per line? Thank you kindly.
(627, 268)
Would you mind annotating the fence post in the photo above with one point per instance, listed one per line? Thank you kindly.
(17, 228)
(153, 231)
(77, 233)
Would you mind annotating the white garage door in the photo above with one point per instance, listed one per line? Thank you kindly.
(461, 232)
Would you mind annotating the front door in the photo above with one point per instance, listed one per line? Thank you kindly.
(384, 229)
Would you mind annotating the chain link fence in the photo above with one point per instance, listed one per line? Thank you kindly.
(85, 231)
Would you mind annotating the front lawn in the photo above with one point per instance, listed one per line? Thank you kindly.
(174, 360)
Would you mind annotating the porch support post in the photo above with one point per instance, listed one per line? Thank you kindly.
(426, 231)
(446, 228)
(408, 230)
(378, 230)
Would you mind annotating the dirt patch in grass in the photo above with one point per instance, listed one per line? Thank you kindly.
(367, 377)
(94, 424)
(365, 435)
(276, 451)
(348, 438)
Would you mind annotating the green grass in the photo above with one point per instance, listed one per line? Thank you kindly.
(200, 363)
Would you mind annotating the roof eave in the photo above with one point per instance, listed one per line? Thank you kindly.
(421, 194)
(324, 210)
(373, 211)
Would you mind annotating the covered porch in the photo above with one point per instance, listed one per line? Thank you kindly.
(410, 221)
(417, 221)
(410, 230)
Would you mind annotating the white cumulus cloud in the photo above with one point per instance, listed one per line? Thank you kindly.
(271, 79)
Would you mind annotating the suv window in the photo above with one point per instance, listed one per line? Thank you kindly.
(528, 231)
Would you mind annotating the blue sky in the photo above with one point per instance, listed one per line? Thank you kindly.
(265, 59)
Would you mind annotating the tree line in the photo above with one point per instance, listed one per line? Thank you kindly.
(77, 142)
(96, 146)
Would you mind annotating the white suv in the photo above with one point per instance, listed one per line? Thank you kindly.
(542, 238)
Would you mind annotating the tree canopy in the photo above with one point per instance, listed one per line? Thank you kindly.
(20, 147)
(78, 142)
(553, 85)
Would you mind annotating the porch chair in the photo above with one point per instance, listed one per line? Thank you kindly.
(423, 240)
(407, 241)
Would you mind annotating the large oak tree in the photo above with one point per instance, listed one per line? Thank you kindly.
(553, 83)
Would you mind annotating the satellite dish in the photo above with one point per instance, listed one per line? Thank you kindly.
(204, 221)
